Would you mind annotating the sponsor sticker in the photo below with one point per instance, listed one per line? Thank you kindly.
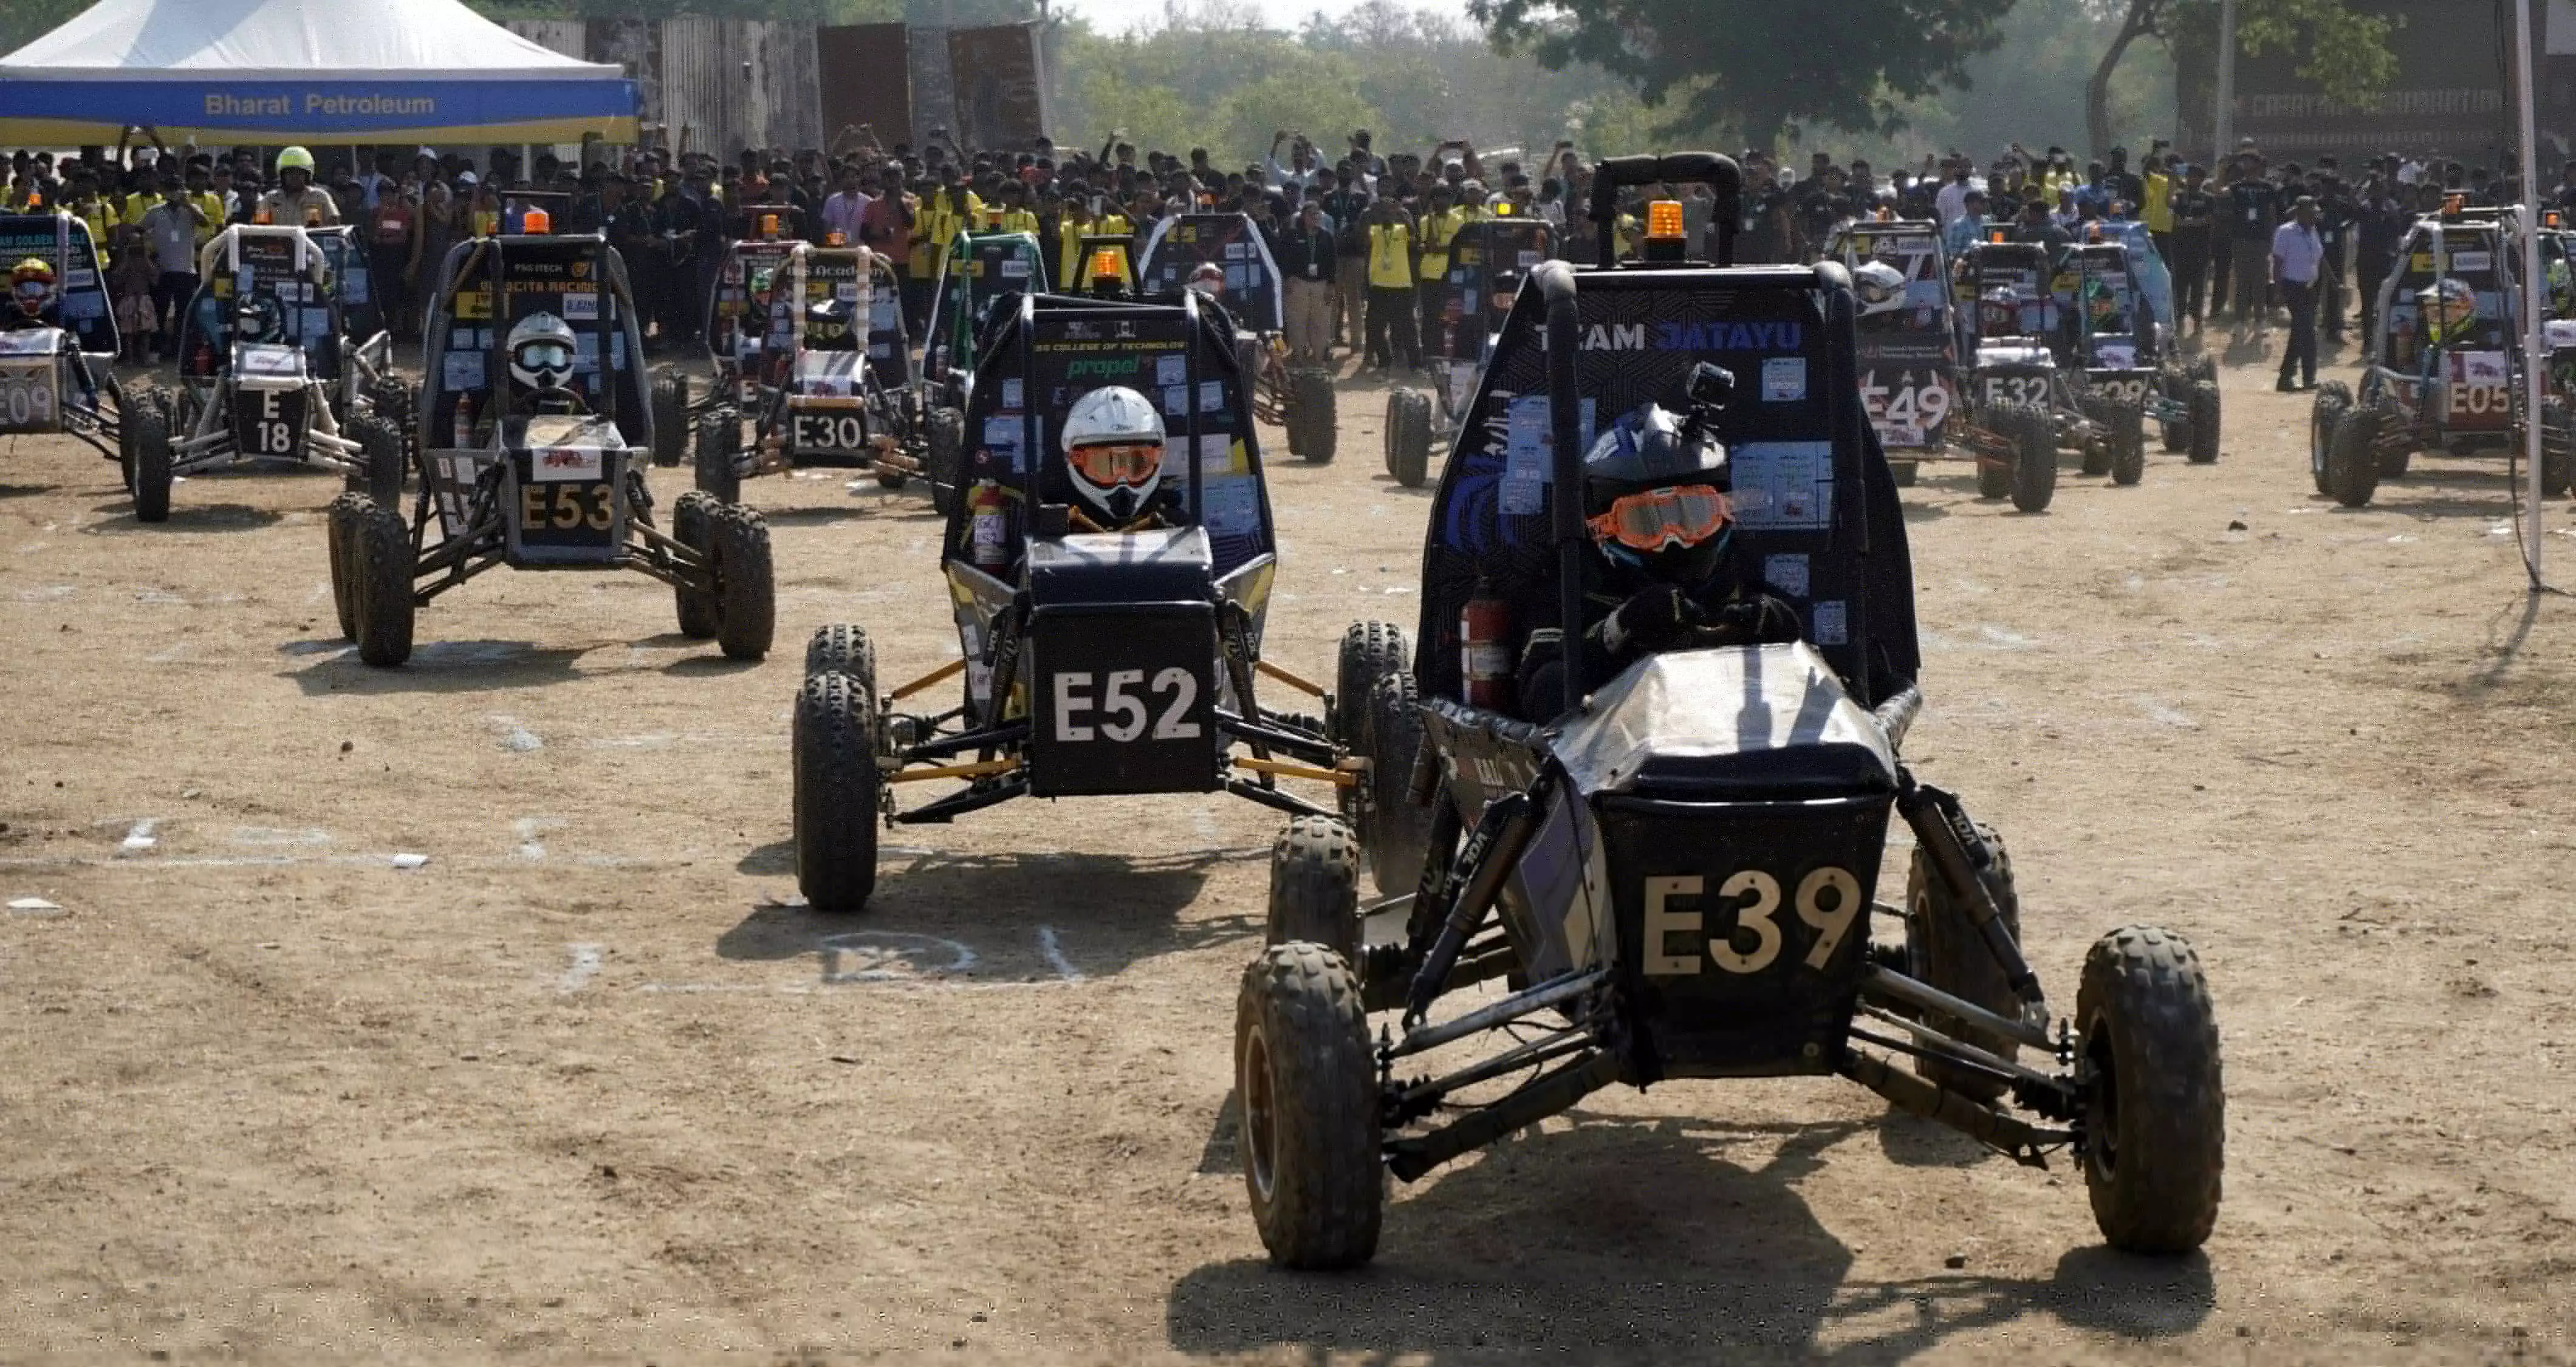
(1784, 379)
(564, 464)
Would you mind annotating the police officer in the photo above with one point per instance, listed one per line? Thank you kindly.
(297, 202)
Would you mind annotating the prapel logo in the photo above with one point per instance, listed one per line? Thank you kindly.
(1706, 336)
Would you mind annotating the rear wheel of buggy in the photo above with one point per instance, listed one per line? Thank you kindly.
(1994, 473)
(945, 437)
(1408, 436)
(670, 415)
(2034, 471)
(2097, 447)
(1315, 886)
(2352, 458)
(836, 790)
(150, 481)
(1943, 949)
(746, 584)
(2128, 443)
(842, 649)
(380, 459)
(2155, 1100)
(690, 519)
(719, 439)
(379, 554)
(1308, 1091)
(1315, 424)
(1396, 833)
(2334, 399)
(2174, 386)
(2203, 405)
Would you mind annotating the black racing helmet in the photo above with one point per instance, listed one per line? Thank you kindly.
(1656, 486)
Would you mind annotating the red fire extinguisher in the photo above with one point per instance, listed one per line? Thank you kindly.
(1484, 648)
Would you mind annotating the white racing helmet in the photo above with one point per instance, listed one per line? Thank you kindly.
(1113, 450)
(1880, 287)
(541, 351)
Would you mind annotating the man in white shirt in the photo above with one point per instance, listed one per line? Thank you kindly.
(2298, 252)
(842, 210)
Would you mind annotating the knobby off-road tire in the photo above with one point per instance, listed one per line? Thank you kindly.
(341, 521)
(842, 649)
(2155, 1117)
(380, 458)
(151, 476)
(1408, 436)
(1369, 652)
(379, 553)
(691, 526)
(2034, 472)
(719, 438)
(1314, 414)
(1994, 479)
(746, 583)
(1308, 1090)
(2128, 443)
(2334, 399)
(1397, 834)
(2097, 449)
(2204, 422)
(2352, 458)
(1943, 949)
(1315, 886)
(836, 786)
(2175, 387)
(670, 415)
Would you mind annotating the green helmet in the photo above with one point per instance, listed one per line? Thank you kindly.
(295, 159)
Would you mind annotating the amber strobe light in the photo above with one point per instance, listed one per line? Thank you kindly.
(1664, 221)
(536, 222)
(1104, 266)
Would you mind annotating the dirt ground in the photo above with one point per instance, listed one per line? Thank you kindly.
(583, 1086)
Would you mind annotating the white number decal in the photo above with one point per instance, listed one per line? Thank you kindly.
(275, 439)
(1906, 404)
(1184, 688)
(2016, 389)
(1756, 918)
(1830, 923)
(2479, 399)
(1828, 901)
(825, 431)
(1122, 707)
(1116, 702)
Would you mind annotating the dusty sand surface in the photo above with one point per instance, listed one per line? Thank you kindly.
(582, 1087)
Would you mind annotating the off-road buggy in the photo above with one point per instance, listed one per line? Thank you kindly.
(979, 268)
(737, 327)
(2117, 344)
(2183, 398)
(2448, 384)
(535, 424)
(58, 363)
(1487, 260)
(1092, 662)
(1298, 400)
(1676, 877)
(2021, 402)
(270, 371)
(1909, 355)
(806, 394)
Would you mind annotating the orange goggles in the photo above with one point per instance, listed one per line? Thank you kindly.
(1685, 515)
(1106, 466)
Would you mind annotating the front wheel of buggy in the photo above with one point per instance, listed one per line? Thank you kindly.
(1397, 833)
(1318, 421)
(2204, 422)
(2155, 1103)
(379, 554)
(2098, 446)
(1308, 1091)
(1408, 436)
(1315, 886)
(842, 649)
(670, 415)
(2334, 399)
(340, 520)
(2034, 472)
(380, 458)
(1943, 949)
(836, 791)
(943, 457)
(746, 585)
(719, 437)
(151, 475)
(2352, 458)
(692, 526)
(2128, 443)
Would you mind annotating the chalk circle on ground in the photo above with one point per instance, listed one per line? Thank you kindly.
(890, 956)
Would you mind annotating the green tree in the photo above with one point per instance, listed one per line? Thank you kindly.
(1756, 68)
(2347, 51)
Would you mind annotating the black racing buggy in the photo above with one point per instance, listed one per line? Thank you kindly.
(1092, 662)
(2182, 399)
(1487, 260)
(2112, 339)
(369, 382)
(1299, 400)
(535, 427)
(2021, 403)
(738, 319)
(58, 350)
(805, 392)
(2437, 380)
(268, 371)
(979, 268)
(1676, 878)
(1909, 350)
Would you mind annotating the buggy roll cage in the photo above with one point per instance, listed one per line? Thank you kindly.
(485, 257)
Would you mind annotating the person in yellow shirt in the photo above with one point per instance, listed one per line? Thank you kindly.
(947, 211)
(1439, 228)
(1392, 260)
(201, 193)
(2157, 212)
(1013, 214)
(1070, 224)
